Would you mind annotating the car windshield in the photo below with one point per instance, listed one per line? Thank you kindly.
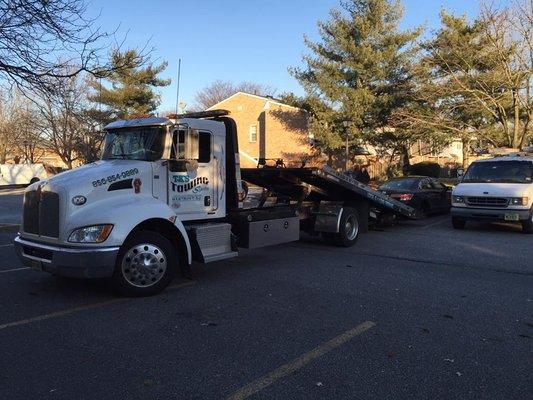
(500, 172)
(144, 143)
(399, 184)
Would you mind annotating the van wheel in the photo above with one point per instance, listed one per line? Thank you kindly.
(146, 264)
(458, 223)
(527, 224)
(348, 229)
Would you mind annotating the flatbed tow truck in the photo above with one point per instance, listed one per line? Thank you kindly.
(168, 192)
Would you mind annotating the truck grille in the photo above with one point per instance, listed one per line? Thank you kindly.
(487, 201)
(41, 213)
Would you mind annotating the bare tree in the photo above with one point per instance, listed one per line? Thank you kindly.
(30, 141)
(61, 119)
(220, 90)
(508, 98)
(36, 33)
(8, 127)
(15, 125)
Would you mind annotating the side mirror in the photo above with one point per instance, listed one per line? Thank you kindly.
(177, 165)
(460, 173)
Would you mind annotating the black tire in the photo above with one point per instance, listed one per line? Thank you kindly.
(458, 223)
(145, 265)
(349, 229)
(527, 224)
(33, 180)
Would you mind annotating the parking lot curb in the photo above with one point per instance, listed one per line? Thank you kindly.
(9, 227)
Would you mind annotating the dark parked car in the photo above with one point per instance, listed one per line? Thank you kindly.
(425, 194)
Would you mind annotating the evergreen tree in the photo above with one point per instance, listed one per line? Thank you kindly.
(131, 91)
(358, 71)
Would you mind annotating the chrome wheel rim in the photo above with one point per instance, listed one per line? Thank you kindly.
(351, 227)
(144, 265)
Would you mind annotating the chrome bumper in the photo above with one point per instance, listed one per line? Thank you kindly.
(76, 262)
(488, 213)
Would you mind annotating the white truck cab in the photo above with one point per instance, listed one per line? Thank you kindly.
(499, 188)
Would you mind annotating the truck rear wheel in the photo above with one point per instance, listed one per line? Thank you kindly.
(146, 264)
(348, 229)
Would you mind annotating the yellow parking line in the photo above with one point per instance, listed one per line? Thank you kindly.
(77, 309)
(13, 269)
(300, 362)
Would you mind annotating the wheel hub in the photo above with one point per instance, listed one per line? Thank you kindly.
(144, 265)
(351, 227)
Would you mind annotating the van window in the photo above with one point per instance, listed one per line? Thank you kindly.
(500, 172)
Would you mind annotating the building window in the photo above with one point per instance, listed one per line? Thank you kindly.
(252, 133)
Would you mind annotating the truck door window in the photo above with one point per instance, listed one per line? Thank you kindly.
(204, 153)
(204, 146)
(178, 145)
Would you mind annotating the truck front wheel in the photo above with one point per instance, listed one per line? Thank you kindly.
(146, 264)
(348, 229)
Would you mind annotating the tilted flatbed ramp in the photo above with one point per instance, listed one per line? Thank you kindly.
(322, 184)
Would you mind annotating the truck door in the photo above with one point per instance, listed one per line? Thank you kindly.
(192, 183)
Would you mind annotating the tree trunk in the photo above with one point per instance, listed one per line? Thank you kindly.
(406, 162)
(466, 152)
(516, 128)
(524, 134)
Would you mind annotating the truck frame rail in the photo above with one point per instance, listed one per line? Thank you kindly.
(317, 184)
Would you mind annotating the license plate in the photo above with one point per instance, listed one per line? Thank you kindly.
(34, 264)
(512, 217)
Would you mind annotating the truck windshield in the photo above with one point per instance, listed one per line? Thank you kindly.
(143, 143)
(500, 172)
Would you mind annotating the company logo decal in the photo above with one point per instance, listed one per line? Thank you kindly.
(189, 185)
(180, 178)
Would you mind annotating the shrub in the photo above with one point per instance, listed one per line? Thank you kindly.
(425, 168)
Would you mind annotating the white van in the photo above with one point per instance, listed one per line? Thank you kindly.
(21, 174)
(499, 188)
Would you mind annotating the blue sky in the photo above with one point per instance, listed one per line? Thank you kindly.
(236, 40)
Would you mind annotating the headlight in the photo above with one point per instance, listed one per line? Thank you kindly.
(90, 234)
(519, 201)
(458, 199)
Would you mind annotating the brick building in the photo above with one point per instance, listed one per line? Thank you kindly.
(268, 129)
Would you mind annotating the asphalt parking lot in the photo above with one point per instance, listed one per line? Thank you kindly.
(414, 311)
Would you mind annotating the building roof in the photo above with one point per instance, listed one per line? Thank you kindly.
(264, 98)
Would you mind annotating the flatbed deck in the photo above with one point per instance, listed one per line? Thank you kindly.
(317, 184)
